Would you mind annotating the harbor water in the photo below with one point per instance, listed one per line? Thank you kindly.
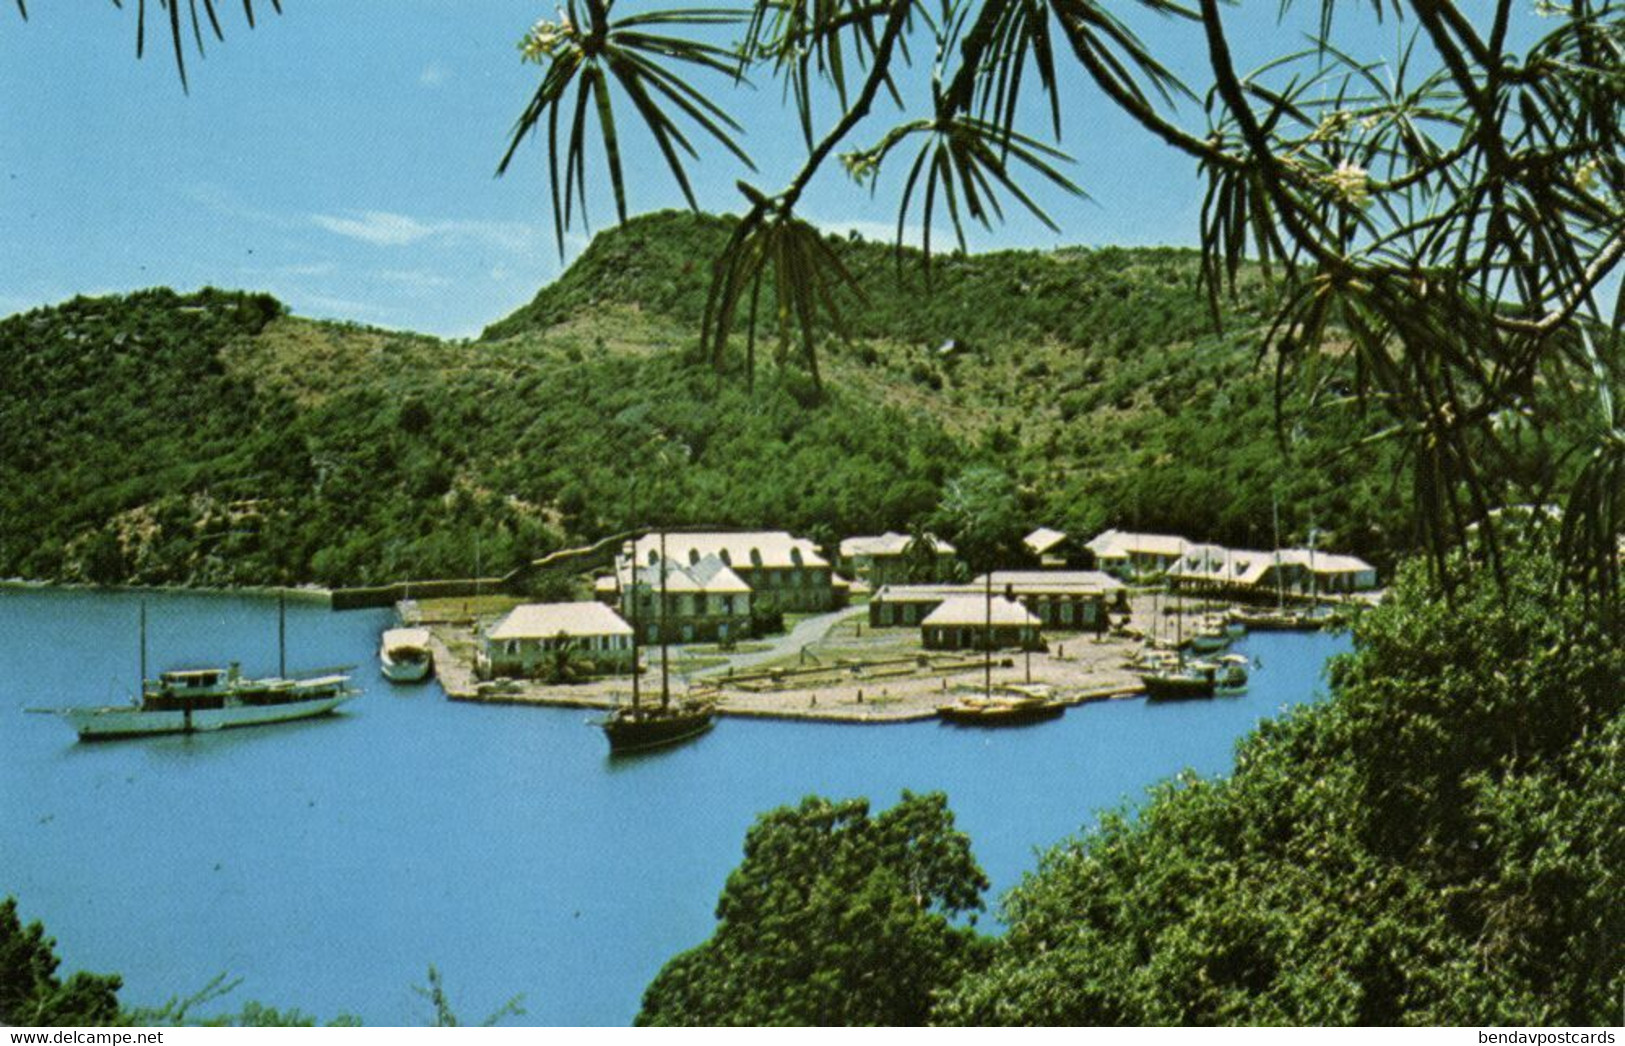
(328, 863)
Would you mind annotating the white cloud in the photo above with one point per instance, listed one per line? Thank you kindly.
(414, 279)
(376, 227)
(434, 75)
(389, 229)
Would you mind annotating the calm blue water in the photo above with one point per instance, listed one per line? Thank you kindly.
(329, 863)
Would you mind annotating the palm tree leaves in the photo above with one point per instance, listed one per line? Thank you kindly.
(587, 51)
(197, 11)
(965, 162)
(774, 252)
(807, 41)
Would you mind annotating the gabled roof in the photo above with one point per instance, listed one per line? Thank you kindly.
(1116, 544)
(1046, 580)
(744, 550)
(709, 575)
(889, 544)
(957, 611)
(1043, 539)
(546, 620)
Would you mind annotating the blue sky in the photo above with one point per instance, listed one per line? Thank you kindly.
(341, 156)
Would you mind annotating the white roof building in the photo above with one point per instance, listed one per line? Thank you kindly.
(963, 611)
(1043, 540)
(744, 550)
(1045, 580)
(889, 544)
(547, 620)
(1122, 544)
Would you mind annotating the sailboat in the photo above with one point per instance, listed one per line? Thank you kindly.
(1015, 705)
(639, 727)
(1282, 620)
(199, 700)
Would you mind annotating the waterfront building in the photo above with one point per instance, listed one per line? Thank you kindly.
(526, 642)
(971, 622)
(1076, 600)
(1130, 555)
(885, 559)
(783, 572)
(704, 600)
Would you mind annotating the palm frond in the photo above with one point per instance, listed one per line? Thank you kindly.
(589, 52)
(789, 258)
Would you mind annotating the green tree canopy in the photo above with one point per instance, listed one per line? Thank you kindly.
(834, 918)
(1438, 844)
(32, 995)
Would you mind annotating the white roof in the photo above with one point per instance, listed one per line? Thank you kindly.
(974, 610)
(546, 620)
(1040, 580)
(709, 575)
(889, 544)
(398, 638)
(1043, 539)
(1116, 544)
(1247, 566)
(744, 549)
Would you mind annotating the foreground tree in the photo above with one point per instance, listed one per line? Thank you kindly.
(32, 995)
(834, 918)
(1437, 844)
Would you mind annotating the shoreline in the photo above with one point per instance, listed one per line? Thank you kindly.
(310, 591)
(1078, 669)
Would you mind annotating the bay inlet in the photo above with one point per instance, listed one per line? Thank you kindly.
(328, 863)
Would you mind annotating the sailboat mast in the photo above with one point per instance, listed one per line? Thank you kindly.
(665, 672)
(141, 686)
(1280, 592)
(987, 640)
(281, 634)
(637, 597)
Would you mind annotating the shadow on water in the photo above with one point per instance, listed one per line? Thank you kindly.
(202, 745)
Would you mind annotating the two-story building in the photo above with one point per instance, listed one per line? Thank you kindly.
(784, 572)
(889, 558)
(700, 601)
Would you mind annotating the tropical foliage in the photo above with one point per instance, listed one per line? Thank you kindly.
(1438, 844)
(211, 439)
(1440, 224)
(835, 917)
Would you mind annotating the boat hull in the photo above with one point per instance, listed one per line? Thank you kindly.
(627, 734)
(405, 671)
(964, 715)
(108, 724)
(1177, 688)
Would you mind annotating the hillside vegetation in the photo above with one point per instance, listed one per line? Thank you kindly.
(211, 438)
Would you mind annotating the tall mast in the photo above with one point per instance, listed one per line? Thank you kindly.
(1280, 592)
(665, 673)
(637, 597)
(1314, 588)
(1179, 599)
(141, 687)
(987, 639)
(282, 634)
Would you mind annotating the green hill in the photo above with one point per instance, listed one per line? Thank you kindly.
(211, 438)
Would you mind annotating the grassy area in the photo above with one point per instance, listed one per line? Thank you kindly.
(439, 611)
(741, 648)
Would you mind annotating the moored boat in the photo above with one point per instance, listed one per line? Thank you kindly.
(1178, 684)
(1276, 620)
(1005, 709)
(404, 655)
(207, 699)
(634, 729)
(1231, 675)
